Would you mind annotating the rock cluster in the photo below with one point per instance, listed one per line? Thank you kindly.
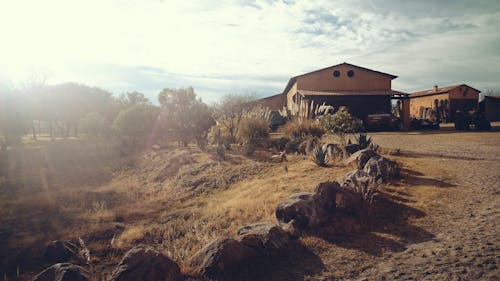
(143, 263)
(330, 202)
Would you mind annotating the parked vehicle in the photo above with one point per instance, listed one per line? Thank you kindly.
(429, 120)
(476, 120)
(381, 122)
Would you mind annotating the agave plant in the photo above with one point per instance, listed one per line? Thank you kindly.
(363, 140)
(320, 156)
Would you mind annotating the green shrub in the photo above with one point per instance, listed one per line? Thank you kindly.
(341, 123)
(252, 129)
(304, 128)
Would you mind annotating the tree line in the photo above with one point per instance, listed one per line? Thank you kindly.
(72, 109)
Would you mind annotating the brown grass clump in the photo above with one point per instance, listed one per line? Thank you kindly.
(304, 128)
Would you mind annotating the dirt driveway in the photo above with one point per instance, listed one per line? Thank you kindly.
(466, 225)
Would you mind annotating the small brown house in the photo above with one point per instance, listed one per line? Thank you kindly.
(445, 100)
(491, 106)
(276, 102)
(363, 91)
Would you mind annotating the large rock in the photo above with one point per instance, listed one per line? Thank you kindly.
(65, 251)
(144, 263)
(309, 210)
(332, 150)
(63, 272)
(310, 144)
(293, 145)
(325, 193)
(221, 257)
(359, 158)
(267, 238)
(382, 169)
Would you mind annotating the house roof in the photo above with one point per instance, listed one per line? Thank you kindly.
(351, 93)
(294, 78)
(441, 90)
(270, 97)
(492, 97)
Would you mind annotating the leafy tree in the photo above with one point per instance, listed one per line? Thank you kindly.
(136, 122)
(341, 123)
(230, 111)
(13, 121)
(130, 99)
(94, 124)
(183, 117)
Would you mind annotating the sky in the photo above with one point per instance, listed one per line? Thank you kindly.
(247, 46)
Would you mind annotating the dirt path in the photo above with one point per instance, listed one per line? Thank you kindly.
(466, 228)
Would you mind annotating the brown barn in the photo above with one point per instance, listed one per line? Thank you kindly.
(491, 106)
(276, 102)
(362, 90)
(445, 100)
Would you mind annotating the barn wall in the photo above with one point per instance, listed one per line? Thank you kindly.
(492, 108)
(289, 96)
(362, 80)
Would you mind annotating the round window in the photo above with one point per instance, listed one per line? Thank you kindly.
(336, 73)
(350, 73)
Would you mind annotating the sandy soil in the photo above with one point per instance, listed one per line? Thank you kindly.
(466, 222)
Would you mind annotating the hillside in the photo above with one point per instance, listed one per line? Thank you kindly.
(179, 199)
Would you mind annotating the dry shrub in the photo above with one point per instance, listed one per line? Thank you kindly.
(253, 128)
(304, 128)
(225, 136)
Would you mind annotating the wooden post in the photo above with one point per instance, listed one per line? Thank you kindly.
(406, 113)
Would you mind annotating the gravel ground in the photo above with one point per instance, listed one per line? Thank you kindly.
(466, 230)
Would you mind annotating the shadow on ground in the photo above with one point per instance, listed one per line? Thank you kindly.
(379, 229)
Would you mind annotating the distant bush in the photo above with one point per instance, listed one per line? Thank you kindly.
(94, 124)
(304, 128)
(252, 129)
(136, 122)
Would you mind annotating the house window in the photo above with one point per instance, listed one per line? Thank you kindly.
(336, 73)
(350, 73)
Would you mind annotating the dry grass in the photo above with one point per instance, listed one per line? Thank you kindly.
(149, 203)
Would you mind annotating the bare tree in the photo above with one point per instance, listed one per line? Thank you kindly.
(230, 111)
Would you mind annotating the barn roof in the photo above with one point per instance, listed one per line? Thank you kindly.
(437, 91)
(294, 78)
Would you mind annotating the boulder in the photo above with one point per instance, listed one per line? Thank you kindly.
(308, 210)
(301, 149)
(220, 257)
(145, 263)
(65, 251)
(332, 150)
(267, 238)
(310, 144)
(63, 272)
(325, 193)
(351, 148)
(293, 145)
(359, 158)
(382, 169)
